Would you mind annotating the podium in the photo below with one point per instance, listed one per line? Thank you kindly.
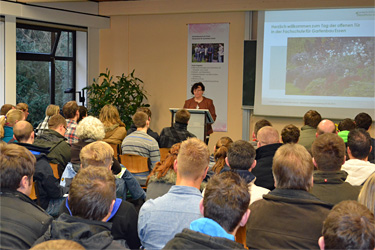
(199, 118)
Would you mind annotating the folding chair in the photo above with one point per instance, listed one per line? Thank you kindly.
(164, 153)
(138, 166)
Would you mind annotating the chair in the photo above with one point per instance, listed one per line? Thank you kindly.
(241, 236)
(55, 170)
(34, 195)
(164, 153)
(116, 150)
(138, 166)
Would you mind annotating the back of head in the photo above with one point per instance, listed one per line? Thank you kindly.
(58, 245)
(182, 116)
(241, 155)
(22, 131)
(162, 168)
(223, 141)
(90, 128)
(52, 110)
(15, 162)
(109, 116)
(145, 110)
(349, 225)
(22, 106)
(70, 109)
(312, 118)
(221, 150)
(55, 121)
(267, 135)
(292, 167)
(82, 113)
(290, 134)
(326, 126)
(140, 119)
(193, 158)
(367, 195)
(10, 119)
(99, 154)
(226, 199)
(5, 108)
(260, 124)
(91, 193)
(328, 151)
(363, 120)
(346, 124)
(359, 143)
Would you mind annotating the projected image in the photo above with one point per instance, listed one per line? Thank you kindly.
(208, 52)
(330, 66)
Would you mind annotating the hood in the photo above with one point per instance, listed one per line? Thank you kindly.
(169, 178)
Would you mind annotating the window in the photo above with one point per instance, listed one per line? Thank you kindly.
(2, 60)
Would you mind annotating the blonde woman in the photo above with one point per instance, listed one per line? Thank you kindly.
(367, 195)
(7, 122)
(51, 110)
(115, 130)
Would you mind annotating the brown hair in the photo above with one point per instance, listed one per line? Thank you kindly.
(346, 124)
(292, 167)
(363, 120)
(22, 131)
(10, 119)
(182, 116)
(241, 155)
(145, 110)
(52, 110)
(58, 245)
(5, 108)
(139, 119)
(312, 118)
(99, 154)
(91, 193)
(221, 150)
(359, 143)
(260, 124)
(109, 116)
(328, 151)
(70, 109)
(15, 162)
(290, 134)
(55, 121)
(22, 106)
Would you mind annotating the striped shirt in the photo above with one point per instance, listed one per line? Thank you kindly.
(140, 143)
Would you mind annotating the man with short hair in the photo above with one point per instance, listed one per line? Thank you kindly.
(5, 108)
(358, 167)
(139, 142)
(178, 132)
(290, 134)
(22, 222)
(268, 143)
(53, 138)
(221, 219)
(349, 225)
(71, 113)
(326, 126)
(50, 191)
(328, 152)
(149, 130)
(364, 120)
(160, 219)
(311, 120)
(258, 125)
(288, 217)
(91, 201)
(241, 159)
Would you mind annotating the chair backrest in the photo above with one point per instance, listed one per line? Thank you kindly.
(241, 236)
(55, 170)
(116, 150)
(164, 153)
(34, 195)
(135, 163)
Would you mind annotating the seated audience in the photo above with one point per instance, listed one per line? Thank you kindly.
(349, 225)
(268, 143)
(162, 218)
(241, 159)
(367, 195)
(290, 134)
(311, 120)
(221, 220)
(326, 126)
(51, 110)
(178, 132)
(71, 114)
(344, 127)
(7, 122)
(53, 139)
(364, 120)
(288, 217)
(5, 108)
(124, 217)
(258, 125)
(115, 130)
(220, 152)
(50, 191)
(163, 176)
(357, 167)
(22, 222)
(329, 186)
(24, 108)
(151, 133)
(91, 201)
(82, 113)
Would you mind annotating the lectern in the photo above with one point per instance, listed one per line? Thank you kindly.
(199, 118)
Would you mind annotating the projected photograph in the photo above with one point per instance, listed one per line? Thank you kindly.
(207, 53)
(330, 66)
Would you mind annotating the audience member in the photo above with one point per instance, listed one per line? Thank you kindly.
(151, 133)
(357, 167)
(289, 217)
(367, 195)
(225, 209)
(115, 130)
(53, 139)
(328, 151)
(71, 113)
(241, 159)
(7, 122)
(364, 120)
(290, 134)
(5, 108)
(58, 245)
(220, 152)
(51, 110)
(268, 143)
(344, 127)
(24, 108)
(160, 219)
(22, 222)
(163, 176)
(311, 120)
(91, 201)
(326, 126)
(178, 132)
(82, 113)
(50, 191)
(258, 125)
(349, 225)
